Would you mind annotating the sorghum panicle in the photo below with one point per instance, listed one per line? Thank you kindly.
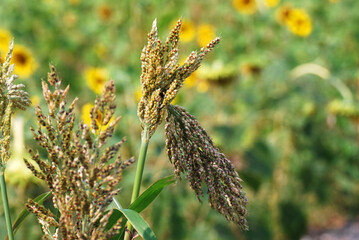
(192, 151)
(78, 173)
(162, 76)
(12, 96)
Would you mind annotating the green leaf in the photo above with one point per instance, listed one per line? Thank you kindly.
(150, 194)
(20, 219)
(138, 223)
(141, 203)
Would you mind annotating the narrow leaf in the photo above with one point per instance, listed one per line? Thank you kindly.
(20, 219)
(150, 194)
(141, 203)
(139, 224)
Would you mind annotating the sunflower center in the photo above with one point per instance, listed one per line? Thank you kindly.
(20, 58)
(99, 80)
(246, 2)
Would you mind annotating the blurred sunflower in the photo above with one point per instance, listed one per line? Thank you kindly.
(35, 100)
(190, 81)
(4, 41)
(86, 118)
(283, 13)
(74, 2)
(250, 69)
(299, 23)
(271, 3)
(104, 12)
(205, 34)
(25, 64)
(187, 32)
(96, 78)
(245, 6)
(138, 95)
(202, 86)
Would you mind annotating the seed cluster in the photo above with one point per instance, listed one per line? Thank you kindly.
(192, 151)
(162, 76)
(81, 172)
(12, 96)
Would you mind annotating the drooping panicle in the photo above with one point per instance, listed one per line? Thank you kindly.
(162, 76)
(81, 171)
(191, 150)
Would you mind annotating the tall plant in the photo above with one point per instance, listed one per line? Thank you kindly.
(83, 171)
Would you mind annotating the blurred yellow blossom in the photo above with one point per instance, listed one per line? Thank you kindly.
(299, 23)
(205, 34)
(25, 64)
(245, 6)
(96, 78)
(35, 100)
(190, 81)
(333, 1)
(104, 12)
(283, 13)
(4, 41)
(202, 86)
(271, 3)
(74, 2)
(86, 117)
(138, 95)
(187, 32)
(85, 113)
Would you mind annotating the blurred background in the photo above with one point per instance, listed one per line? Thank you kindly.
(279, 96)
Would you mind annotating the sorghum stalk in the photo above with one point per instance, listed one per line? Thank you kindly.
(145, 138)
(6, 205)
(140, 164)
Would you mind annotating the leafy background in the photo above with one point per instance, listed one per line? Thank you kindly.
(282, 107)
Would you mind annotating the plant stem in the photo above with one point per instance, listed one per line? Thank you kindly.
(6, 205)
(139, 172)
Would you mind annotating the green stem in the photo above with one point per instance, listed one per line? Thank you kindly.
(139, 172)
(6, 205)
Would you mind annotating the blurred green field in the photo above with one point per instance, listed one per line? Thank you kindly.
(279, 97)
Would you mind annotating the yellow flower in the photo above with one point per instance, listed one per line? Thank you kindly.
(333, 1)
(104, 12)
(202, 86)
(245, 6)
(271, 3)
(299, 23)
(25, 64)
(4, 41)
(74, 2)
(35, 100)
(96, 78)
(283, 13)
(190, 81)
(187, 32)
(138, 95)
(86, 117)
(205, 34)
